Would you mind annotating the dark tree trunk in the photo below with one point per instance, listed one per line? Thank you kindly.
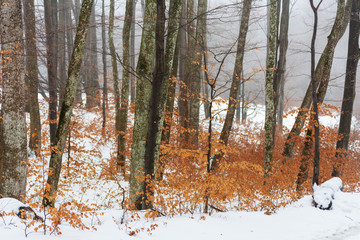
(61, 49)
(13, 139)
(31, 50)
(132, 55)
(68, 103)
(281, 66)
(115, 75)
(105, 90)
(183, 45)
(92, 84)
(314, 97)
(156, 105)
(125, 84)
(349, 89)
(51, 43)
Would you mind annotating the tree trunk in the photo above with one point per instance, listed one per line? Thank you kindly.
(103, 36)
(68, 103)
(236, 79)
(171, 94)
(132, 55)
(13, 140)
(270, 109)
(92, 84)
(125, 84)
(183, 44)
(35, 122)
(143, 95)
(281, 66)
(69, 28)
(322, 75)
(314, 97)
(158, 99)
(115, 76)
(195, 69)
(349, 89)
(51, 43)
(61, 49)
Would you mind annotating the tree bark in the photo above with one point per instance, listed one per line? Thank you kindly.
(322, 75)
(270, 109)
(143, 95)
(349, 90)
(68, 103)
(92, 84)
(314, 97)
(125, 83)
(61, 49)
(51, 43)
(115, 76)
(13, 137)
(281, 66)
(35, 122)
(132, 55)
(104, 53)
(183, 44)
(158, 99)
(195, 68)
(236, 79)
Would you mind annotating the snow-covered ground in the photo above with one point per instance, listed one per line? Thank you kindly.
(298, 221)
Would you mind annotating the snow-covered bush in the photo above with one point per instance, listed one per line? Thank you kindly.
(324, 194)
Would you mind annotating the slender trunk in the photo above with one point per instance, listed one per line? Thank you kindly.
(104, 52)
(237, 78)
(322, 75)
(13, 140)
(314, 97)
(69, 28)
(125, 84)
(171, 95)
(115, 74)
(92, 84)
(35, 122)
(281, 66)
(61, 49)
(51, 43)
(270, 109)
(143, 95)
(68, 103)
(182, 102)
(132, 55)
(349, 89)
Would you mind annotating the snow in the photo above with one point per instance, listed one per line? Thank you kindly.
(325, 193)
(299, 221)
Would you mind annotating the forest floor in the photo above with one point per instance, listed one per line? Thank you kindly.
(300, 221)
(83, 181)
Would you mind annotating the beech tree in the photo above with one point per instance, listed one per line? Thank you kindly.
(68, 103)
(322, 75)
(13, 138)
(349, 89)
(270, 109)
(143, 95)
(32, 68)
(237, 77)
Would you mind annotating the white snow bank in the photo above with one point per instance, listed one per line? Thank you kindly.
(325, 193)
